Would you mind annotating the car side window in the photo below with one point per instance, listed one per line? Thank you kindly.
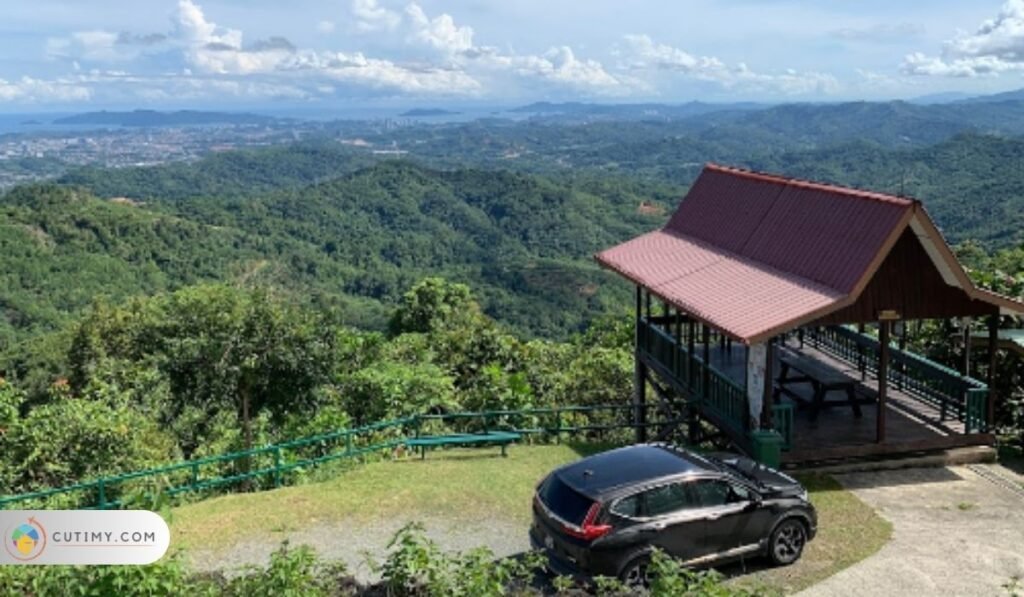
(628, 507)
(707, 493)
(665, 499)
(740, 494)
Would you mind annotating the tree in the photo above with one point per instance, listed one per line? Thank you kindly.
(218, 346)
(434, 304)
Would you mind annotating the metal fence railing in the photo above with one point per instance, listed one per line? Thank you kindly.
(275, 465)
(954, 395)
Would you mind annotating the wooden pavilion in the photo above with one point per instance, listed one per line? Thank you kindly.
(772, 297)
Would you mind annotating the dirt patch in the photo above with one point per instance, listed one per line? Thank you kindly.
(650, 209)
(353, 541)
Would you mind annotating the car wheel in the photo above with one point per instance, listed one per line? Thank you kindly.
(634, 574)
(787, 542)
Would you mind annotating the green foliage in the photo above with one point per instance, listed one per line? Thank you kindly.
(417, 567)
(387, 390)
(168, 577)
(205, 350)
(293, 572)
(434, 304)
(79, 439)
(10, 405)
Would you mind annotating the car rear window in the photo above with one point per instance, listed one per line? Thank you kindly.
(564, 501)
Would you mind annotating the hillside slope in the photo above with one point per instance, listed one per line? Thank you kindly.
(522, 241)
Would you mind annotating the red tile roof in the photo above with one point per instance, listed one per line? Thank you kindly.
(755, 254)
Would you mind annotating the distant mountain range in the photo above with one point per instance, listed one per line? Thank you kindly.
(419, 112)
(645, 111)
(142, 118)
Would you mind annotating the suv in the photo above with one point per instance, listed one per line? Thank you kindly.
(603, 515)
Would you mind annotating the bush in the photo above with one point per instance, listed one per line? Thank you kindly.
(416, 567)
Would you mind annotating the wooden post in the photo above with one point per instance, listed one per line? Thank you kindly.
(903, 348)
(993, 347)
(883, 377)
(861, 361)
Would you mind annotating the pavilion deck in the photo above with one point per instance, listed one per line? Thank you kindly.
(911, 424)
(913, 421)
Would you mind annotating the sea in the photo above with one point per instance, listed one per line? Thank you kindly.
(29, 123)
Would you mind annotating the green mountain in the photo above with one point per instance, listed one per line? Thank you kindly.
(972, 185)
(358, 241)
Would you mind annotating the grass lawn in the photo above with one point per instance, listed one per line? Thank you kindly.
(848, 532)
(475, 484)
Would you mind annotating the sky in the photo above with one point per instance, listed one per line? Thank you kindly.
(74, 55)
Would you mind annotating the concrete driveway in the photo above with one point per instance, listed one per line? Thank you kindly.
(955, 532)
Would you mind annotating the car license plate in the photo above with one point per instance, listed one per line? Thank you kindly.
(549, 542)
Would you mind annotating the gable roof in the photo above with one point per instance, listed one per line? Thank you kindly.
(756, 254)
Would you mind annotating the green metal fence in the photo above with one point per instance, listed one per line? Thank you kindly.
(277, 464)
(723, 398)
(956, 396)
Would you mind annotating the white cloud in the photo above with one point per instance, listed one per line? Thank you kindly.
(28, 89)
(880, 32)
(370, 16)
(440, 32)
(211, 58)
(995, 47)
(644, 54)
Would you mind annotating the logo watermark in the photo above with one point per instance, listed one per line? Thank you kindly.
(83, 537)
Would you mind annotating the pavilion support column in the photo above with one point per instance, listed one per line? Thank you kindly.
(690, 341)
(965, 337)
(861, 361)
(883, 377)
(767, 389)
(640, 372)
(640, 400)
(993, 347)
(706, 370)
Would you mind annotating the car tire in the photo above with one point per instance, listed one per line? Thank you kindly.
(634, 573)
(787, 542)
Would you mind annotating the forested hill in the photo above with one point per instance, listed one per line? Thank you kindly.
(972, 185)
(523, 241)
(245, 173)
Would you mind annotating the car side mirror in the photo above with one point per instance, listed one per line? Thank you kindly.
(753, 504)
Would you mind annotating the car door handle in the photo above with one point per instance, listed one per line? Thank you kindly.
(713, 516)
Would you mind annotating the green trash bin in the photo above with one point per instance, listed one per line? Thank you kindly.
(767, 447)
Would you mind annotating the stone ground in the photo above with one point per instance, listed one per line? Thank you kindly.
(954, 533)
(353, 542)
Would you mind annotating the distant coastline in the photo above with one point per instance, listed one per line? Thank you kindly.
(419, 112)
(138, 118)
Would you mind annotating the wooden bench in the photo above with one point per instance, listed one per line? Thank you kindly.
(823, 380)
(501, 438)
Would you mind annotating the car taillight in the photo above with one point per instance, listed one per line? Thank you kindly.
(589, 531)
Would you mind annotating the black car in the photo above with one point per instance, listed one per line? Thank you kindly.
(602, 515)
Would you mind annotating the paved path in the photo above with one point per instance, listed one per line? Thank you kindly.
(954, 533)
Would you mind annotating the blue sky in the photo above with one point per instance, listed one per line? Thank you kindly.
(69, 54)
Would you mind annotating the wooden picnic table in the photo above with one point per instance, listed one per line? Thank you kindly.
(823, 379)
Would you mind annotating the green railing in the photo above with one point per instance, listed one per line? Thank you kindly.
(278, 464)
(725, 400)
(782, 422)
(930, 382)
